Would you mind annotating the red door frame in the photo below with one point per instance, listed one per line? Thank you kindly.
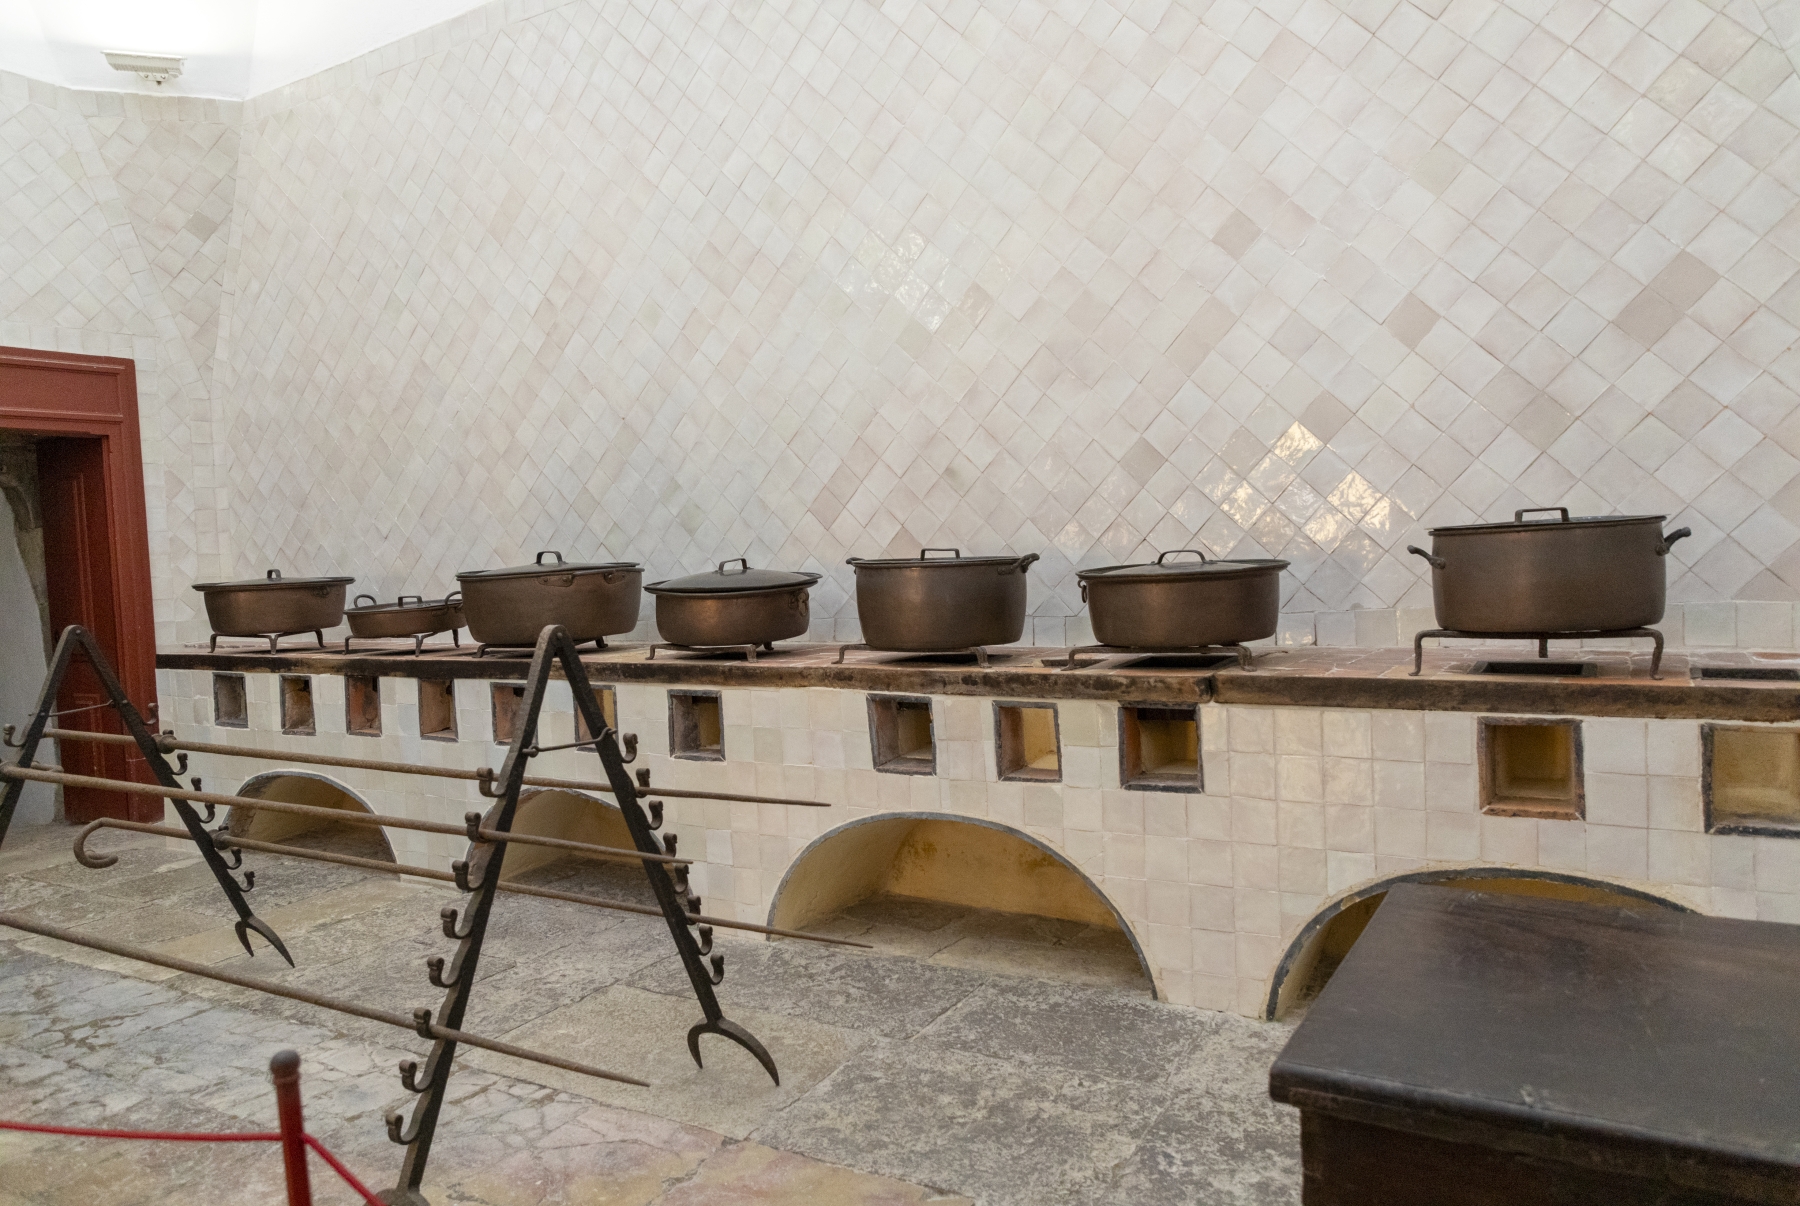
(58, 393)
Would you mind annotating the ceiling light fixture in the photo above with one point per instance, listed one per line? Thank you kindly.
(158, 69)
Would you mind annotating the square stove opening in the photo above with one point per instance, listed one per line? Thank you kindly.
(1159, 748)
(437, 708)
(609, 711)
(297, 704)
(508, 703)
(1755, 674)
(362, 705)
(1540, 668)
(1531, 768)
(1750, 780)
(1025, 743)
(231, 703)
(696, 726)
(900, 735)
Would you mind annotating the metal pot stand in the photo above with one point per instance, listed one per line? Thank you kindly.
(749, 651)
(482, 649)
(274, 638)
(418, 640)
(1212, 655)
(1542, 638)
(980, 653)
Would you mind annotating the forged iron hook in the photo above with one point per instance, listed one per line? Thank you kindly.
(656, 814)
(629, 741)
(472, 823)
(449, 918)
(484, 783)
(395, 1121)
(409, 1070)
(718, 968)
(422, 1023)
(434, 971)
(253, 922)
(181, 766)
(210, 810)
(643, 778)
(706, 939)
(6, 735)
(96, 861)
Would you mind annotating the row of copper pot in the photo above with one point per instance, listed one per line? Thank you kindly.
(1525, 576)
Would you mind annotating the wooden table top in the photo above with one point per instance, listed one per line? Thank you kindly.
(1650, 1042)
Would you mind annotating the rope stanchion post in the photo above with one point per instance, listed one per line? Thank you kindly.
(285, 1069)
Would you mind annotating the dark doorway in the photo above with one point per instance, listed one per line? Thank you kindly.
(82, 411)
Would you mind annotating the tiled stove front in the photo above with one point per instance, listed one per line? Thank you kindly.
(1300, 808)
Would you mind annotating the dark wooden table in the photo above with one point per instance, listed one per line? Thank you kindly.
(1477, 1049)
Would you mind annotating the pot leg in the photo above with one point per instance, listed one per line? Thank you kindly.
(1543, 646)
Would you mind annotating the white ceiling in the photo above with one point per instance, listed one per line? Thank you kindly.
(233, 48)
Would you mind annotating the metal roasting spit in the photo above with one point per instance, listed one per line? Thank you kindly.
(478, 874)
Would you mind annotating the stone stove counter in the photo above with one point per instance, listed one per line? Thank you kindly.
(1281, 677)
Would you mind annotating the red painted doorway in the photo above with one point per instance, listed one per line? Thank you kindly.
(83, 411)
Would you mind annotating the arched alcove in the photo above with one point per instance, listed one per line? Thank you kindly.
(951, 861)
(318, 791)
(575, 817)
(1323, 942)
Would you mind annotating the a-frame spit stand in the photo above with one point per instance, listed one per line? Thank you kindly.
(478, 874)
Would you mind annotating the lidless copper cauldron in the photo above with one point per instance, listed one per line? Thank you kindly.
(1597, 574)
(938, 604)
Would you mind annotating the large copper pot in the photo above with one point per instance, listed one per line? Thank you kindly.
(741, 606)
(1183, 604)
(512, 606)
(1594, 574)
(273, 604)
(937, 604)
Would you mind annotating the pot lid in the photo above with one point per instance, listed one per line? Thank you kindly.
(1165, 570)
(726, 580)
(955, 557)
(403, 603)
(1561, 522)
(542, 566)
(272, 580)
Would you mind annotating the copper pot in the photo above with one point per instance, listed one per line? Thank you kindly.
(512, 606)
(733, 607)
(273, 604)
(1597, 574)
(410, 615)
(937, 604)
(1183, 604)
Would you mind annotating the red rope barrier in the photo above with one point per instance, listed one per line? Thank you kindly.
(88, 1132)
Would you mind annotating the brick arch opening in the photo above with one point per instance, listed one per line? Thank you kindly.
(1323, 941)
(954, 861)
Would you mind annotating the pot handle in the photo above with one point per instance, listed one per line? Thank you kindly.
(1196, 552)
(957, 553)
(1436, 562)
(1519, 516)
(454, 597)
(359, 600)
(274, 575)
(1662, 549)
(549, 553)
(735, 561)
(401, 601)
(1022, 564)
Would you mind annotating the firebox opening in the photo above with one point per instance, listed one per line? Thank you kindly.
(1531, 768)
(1025, 743)
(609, 711)
(362, 705)
(1159, 748)
(960, 892)
(303, 787)
(437, 708)
(1751, 780)
(696, 729)
(509, 701)
(297, 704)
(231, 705)
(900, 736)
(1322, 944)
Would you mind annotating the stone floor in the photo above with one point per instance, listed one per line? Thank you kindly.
(975, 1057)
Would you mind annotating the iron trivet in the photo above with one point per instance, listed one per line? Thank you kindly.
(418, 640)
(978, 652)
(1207, 656)
(1542, 638)
(749, 651)
(274, 638)
(482, 649)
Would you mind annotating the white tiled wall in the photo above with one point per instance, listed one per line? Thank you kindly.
(680, 281)
(1302, 806)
